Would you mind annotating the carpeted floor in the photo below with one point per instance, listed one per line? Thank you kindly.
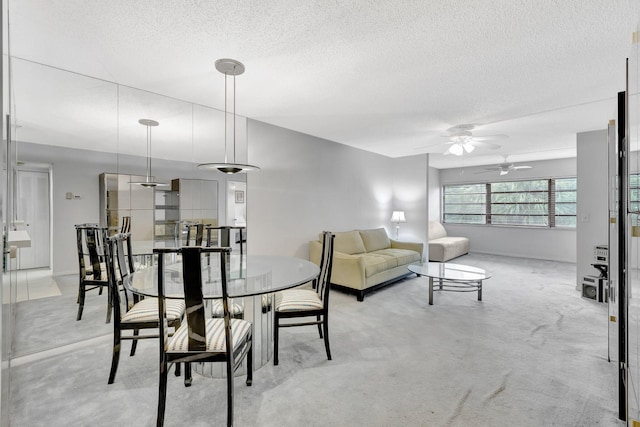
(533, 353)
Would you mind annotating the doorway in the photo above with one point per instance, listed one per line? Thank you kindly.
(33, 206)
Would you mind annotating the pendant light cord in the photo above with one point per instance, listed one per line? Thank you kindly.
(148, 153)
(234, 114)
(225, 118)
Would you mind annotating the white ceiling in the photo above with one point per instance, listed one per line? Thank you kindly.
(388, 76)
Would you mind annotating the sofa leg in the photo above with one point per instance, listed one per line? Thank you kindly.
(360, 296)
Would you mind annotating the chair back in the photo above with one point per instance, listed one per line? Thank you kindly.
(323, 282)
(223, 236)
(124, 255)
(193, 297)
(119, 266)
(126, 224)
(91, 250)
(194, 234)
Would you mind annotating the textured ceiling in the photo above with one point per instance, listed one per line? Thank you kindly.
(388, 76)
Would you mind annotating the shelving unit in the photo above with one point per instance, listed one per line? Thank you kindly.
(167, 215)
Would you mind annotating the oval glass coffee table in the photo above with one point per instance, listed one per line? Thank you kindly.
(451, 277)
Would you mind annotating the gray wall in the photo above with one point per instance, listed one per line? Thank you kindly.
(308, 185)
(552, 244)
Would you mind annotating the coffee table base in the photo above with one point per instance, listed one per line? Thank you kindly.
(455, 286)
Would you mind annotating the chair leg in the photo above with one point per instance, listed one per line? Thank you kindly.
(81, 293)
(325, 323)
(229, 393)
(109, 305)
(134, 343)
(115, 358)
(162, 393)
(187, 374)
(319, 325)
(250, 361)
(276, 328)
(177, 371)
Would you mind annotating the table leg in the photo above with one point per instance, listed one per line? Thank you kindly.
(430, 290)
(480, 290)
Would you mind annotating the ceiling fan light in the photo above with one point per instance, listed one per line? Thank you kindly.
(468, 147)
(504, 171)
(456, 149)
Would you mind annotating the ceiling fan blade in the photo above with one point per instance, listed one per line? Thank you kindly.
(515, 168)
(490, 137)
(483, 144)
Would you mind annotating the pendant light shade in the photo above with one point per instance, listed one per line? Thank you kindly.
(149, 182)
(229, 67)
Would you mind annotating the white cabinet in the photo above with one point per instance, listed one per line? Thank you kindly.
(119, 198)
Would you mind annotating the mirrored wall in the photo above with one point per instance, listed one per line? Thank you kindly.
(86, 133)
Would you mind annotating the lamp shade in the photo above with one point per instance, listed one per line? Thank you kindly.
(398, 216)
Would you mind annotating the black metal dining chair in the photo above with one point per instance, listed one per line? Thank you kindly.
(129, 313)
(305, 303)
(201, 338)
(91, 261)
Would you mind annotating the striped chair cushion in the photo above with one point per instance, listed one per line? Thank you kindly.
(218, 311)
(179, 342)
(298, 300)
(147, 311)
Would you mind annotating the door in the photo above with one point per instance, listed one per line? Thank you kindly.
(32, 214)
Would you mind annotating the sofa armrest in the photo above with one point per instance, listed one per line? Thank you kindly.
(348, 270)
(315, 251)
(412, 246)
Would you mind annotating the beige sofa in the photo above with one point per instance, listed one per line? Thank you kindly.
(443, 247)
(364, 260)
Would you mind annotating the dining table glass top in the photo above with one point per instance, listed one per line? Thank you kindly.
(248, 275)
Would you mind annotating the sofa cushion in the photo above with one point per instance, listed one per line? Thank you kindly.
(446, 248)
(376, 239)
(436, 230)
(348, 242)
(375, 263)
(403, 256)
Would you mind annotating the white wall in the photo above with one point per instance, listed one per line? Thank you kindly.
(307, 185)
(553, 244)
(593, 208)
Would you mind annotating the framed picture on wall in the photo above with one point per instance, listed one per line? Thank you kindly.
(239, 196)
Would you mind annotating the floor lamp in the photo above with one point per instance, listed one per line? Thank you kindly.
(398, 217)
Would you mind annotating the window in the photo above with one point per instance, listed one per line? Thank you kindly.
(533, 203)
(465, 204)
(565, 202)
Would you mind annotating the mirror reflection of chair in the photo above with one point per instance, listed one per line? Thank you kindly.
(195, 234)
(131, 314)
(91, 259)
(202, 339)
(126, 224)
(301, 303)
(221, 236)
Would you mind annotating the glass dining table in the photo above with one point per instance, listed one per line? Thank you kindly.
(253, 279)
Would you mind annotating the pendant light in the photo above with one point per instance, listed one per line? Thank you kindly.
(149, 182)
(229, 67)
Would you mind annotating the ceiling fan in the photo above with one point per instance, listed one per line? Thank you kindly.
(462, 140)
(505, 168)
